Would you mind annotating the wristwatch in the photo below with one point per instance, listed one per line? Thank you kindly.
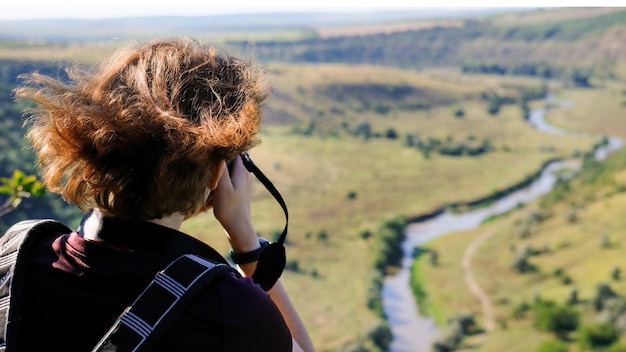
(252, 256)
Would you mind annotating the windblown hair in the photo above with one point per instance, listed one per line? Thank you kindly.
(136, 136)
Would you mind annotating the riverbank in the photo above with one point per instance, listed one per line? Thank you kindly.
(404, 323)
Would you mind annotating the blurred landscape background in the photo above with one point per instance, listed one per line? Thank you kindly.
(381, 120)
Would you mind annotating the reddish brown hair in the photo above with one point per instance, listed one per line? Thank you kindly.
(136, 136)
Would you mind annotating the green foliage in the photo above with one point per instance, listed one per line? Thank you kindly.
(18, 187)
(322, 235)
(374, 298)
(380, 335)
(417, 287)
(572, 297)
(377, 339)
(558, 319)
(616, 273)
(602, 294)
(365, 234)
(466, 321)
(520, 310)
(387, 243)
(292, 265)
(448, 339)
(21, 197)
(521, 263)
(535, 69)
(596, 335)
(434, 258)
(449, 146)
(457, 327)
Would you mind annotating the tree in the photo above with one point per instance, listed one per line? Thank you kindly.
(603, 293)
(597, 335)
(558, 319)
(18, 187)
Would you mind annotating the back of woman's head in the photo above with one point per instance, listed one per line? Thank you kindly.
(136, 136)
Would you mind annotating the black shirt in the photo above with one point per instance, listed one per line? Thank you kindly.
(76, 288)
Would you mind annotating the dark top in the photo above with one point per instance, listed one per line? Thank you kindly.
(76, 288)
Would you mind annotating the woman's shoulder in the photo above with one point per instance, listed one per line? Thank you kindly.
(250, 318)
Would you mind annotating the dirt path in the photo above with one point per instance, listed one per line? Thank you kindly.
(489, 320)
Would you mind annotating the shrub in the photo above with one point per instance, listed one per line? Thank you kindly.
(292, 265)
(520, 310)
(322, 235)
(377, 339)
(572, 297)
(391, 134)
(374, 298)
(521, 263)
(448, 339)
(616, 273)
(597, 335)
(365, 234)
(603, 292)
(434, 257)
(465, 321)
(566, 280)
(380, 335)
(560, 320)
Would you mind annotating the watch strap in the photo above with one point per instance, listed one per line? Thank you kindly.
(252, 256)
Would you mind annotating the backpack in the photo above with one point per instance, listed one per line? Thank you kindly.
(139, 325)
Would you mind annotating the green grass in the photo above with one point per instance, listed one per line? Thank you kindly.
(596, 110)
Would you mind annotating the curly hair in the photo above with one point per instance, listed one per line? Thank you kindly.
(136, 136)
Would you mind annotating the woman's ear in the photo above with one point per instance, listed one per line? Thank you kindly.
(217, 168)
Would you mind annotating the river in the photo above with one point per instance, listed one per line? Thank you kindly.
(414, 333)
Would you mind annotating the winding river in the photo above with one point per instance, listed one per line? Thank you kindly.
(414, 333)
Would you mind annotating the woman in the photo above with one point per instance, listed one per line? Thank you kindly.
(141, 143)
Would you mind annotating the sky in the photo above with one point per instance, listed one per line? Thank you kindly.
(40, 9)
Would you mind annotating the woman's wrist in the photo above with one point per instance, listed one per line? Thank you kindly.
(247, 269)
(244, 239)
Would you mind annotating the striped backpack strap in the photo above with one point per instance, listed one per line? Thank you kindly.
(157, 307)
(14, 245)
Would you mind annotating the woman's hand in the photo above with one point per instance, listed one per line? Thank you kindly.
(231, 206)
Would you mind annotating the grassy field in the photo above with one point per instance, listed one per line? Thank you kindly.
(584, 251)
(597, 110)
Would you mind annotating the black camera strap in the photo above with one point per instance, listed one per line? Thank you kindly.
(272, 261)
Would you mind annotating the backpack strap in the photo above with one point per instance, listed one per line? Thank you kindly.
(157, 307)
(14, 245)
